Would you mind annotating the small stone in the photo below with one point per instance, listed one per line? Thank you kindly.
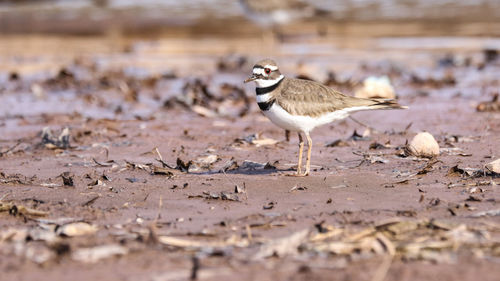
(76, 229)
(424, 145)
(376, 87)
(494, 166)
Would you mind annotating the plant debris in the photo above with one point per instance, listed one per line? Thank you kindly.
(297, 188)
(76, 229)
(255, 139)
(357, 137)
(230, 165)
(489, 106)
(51, 142)
(465, 172)
(281, 247)
(162, 171)
(223, 195)
(248, 165)
(67, 178)
(376, 145)
(20, 210)
(95, 254)
(196, 96)
(337, 143)
(493, 166)
(269, 205)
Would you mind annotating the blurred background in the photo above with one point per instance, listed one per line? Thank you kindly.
(141, 54)
(230, 17)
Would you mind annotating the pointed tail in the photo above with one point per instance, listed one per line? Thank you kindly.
(386, 104)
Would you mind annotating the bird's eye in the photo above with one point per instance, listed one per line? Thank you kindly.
(267, 70)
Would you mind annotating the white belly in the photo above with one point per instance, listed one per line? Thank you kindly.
(301, 123)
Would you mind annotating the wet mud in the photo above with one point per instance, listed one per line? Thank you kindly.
(151, 161)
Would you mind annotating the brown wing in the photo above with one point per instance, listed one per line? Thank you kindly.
(304, 97)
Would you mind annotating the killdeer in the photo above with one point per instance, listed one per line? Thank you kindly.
(302, 105)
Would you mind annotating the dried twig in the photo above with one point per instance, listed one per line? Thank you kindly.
(364, 125)
(2, 153)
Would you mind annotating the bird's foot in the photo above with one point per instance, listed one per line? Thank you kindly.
(299, 174)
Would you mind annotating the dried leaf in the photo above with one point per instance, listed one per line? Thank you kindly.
(376, 145)
(264, 141)
(183, 166)
(162, 171)
(357, 137)
(296, 187)
(491, 213)
(95, 254)
(229, 196)
(491, 106)
(401, 227)
(203, 111)
(15, 210)
(189, 243)
(494, 166)
(257, 140)
(337, 143)
(229, 165)
(281, 247)
(269, 205)
(67, 178)
(251, 165)
(76, 229)
(207, 161)
(239, 189)
(51, 142)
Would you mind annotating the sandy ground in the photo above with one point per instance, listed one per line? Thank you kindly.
(121, 200)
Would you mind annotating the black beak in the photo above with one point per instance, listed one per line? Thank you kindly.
(251, 78)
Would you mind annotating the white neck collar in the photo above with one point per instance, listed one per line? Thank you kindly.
(261, 83)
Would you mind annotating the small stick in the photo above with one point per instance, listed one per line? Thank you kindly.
(2, 153)
(160, 204)
(249, 232)
(364, 125)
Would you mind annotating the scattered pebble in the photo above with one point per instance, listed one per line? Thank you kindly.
(376, 87)
(424, 145)
(76, 229)
(494, 166)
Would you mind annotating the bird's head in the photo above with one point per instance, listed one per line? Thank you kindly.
(265, 73)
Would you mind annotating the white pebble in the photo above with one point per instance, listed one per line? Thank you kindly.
(424, 145)
(376, 87)
(494, 166)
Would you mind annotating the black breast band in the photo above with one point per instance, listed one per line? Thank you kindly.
(263, 91)
(265, 106)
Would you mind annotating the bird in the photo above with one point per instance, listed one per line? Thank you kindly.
(301, 105)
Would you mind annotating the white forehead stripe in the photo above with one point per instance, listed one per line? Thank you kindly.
(258, 71)
(272, 67)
